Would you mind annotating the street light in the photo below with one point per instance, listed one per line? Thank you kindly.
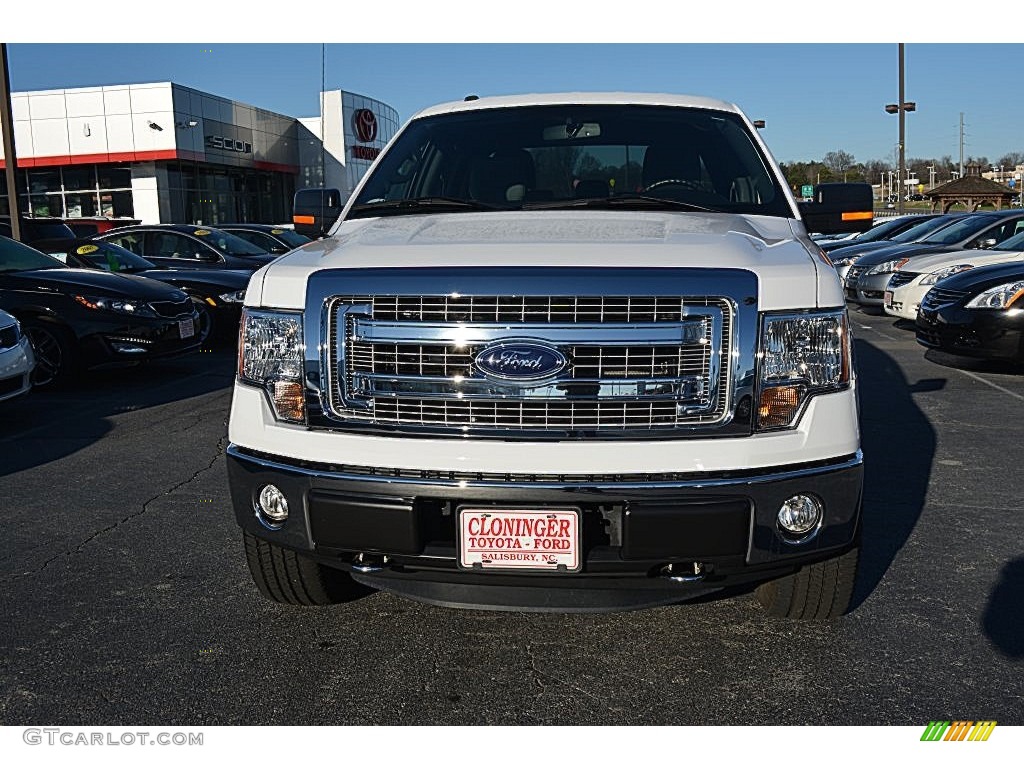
(901, 109)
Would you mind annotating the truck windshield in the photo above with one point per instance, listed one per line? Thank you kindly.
(570, 156)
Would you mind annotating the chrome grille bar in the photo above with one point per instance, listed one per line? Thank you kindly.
(695, 331)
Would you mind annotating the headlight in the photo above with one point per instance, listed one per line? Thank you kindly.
(934, 277)
(802, 355)
(235, 297)
(844, 261)
(886, 266)
(270, 353)
(135, 307)
(1000, 297)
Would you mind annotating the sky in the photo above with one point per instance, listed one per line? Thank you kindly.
(814, 96)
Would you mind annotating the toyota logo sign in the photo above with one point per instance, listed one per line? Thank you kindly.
(365, 124)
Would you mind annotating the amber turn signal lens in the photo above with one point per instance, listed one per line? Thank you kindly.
(778, 406)
(303, 219)
(289, 400)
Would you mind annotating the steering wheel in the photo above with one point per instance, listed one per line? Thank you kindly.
(685, 183)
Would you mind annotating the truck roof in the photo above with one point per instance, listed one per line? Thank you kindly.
(617, 97)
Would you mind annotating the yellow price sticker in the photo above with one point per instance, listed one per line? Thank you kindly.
(277, 231)
(84, 249)
(201, 232)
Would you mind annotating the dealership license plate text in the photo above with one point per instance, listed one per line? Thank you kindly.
(546, 539)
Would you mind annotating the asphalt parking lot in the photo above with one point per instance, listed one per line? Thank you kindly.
(125, 596)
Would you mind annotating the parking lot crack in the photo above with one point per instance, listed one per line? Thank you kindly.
(542, 678)
(77, 549)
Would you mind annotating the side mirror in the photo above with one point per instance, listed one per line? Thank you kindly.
(315, 210)
(839, 208)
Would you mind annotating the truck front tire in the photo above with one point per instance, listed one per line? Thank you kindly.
(291, 578)
(817, 591)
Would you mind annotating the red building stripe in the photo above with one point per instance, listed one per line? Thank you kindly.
(136, 157)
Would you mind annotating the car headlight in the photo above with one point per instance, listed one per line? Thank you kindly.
(998, 297)
(234, 297)
(270, 355)
(886, 266)
(135, 307)
(844, 261)
(934, 277)
(802, 355)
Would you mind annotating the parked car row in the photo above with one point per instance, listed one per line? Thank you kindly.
(126, 295)
(958, 277)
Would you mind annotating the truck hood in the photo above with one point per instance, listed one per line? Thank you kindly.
(767, 246)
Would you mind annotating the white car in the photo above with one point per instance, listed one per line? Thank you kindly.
(16, 359)
(909, 284)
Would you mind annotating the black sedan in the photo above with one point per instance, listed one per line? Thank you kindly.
(976, 313)
(84, 318)
(217, 293)
(273, 239)
(186, 246)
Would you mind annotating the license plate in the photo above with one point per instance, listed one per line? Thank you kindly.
(519, 539)
(887, 298)
(186, 328)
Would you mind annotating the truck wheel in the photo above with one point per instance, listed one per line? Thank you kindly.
(288, 577)
(817, 591)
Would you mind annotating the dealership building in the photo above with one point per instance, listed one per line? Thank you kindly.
(162, 152)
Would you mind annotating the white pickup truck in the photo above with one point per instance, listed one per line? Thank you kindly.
(567, 352)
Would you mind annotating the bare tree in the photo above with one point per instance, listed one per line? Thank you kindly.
(839, 162)
(1011, 159)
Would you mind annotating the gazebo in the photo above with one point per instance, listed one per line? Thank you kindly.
(970, 190)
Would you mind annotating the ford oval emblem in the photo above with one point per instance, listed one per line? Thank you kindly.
(515, 360)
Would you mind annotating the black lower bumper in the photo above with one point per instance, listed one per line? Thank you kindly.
(639, 540)
(986, 334)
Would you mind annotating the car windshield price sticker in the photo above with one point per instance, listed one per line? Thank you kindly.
(519, 539)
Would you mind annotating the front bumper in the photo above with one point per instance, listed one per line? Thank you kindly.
(906, 300)
(986, 334)
(398, 527)
(16, 366)
(868, 290)
(119, 340)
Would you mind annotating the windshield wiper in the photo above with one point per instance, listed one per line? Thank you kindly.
(417, 204)
(621, 201)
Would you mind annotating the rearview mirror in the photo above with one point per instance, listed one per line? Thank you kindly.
(315, 210)
(839, 208)
(207, 256)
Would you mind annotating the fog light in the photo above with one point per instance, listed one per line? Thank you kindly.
(800, 514)
(272, 506)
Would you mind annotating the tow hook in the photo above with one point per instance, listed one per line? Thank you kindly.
(683, 572)
(368, 564)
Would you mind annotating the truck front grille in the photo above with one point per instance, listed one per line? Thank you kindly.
(652, 362)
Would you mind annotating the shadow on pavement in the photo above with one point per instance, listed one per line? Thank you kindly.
(899, 444)
(1004, 613)
(49, 424)
(977, 365)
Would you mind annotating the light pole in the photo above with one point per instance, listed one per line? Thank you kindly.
(901, 108)
(931, 177)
